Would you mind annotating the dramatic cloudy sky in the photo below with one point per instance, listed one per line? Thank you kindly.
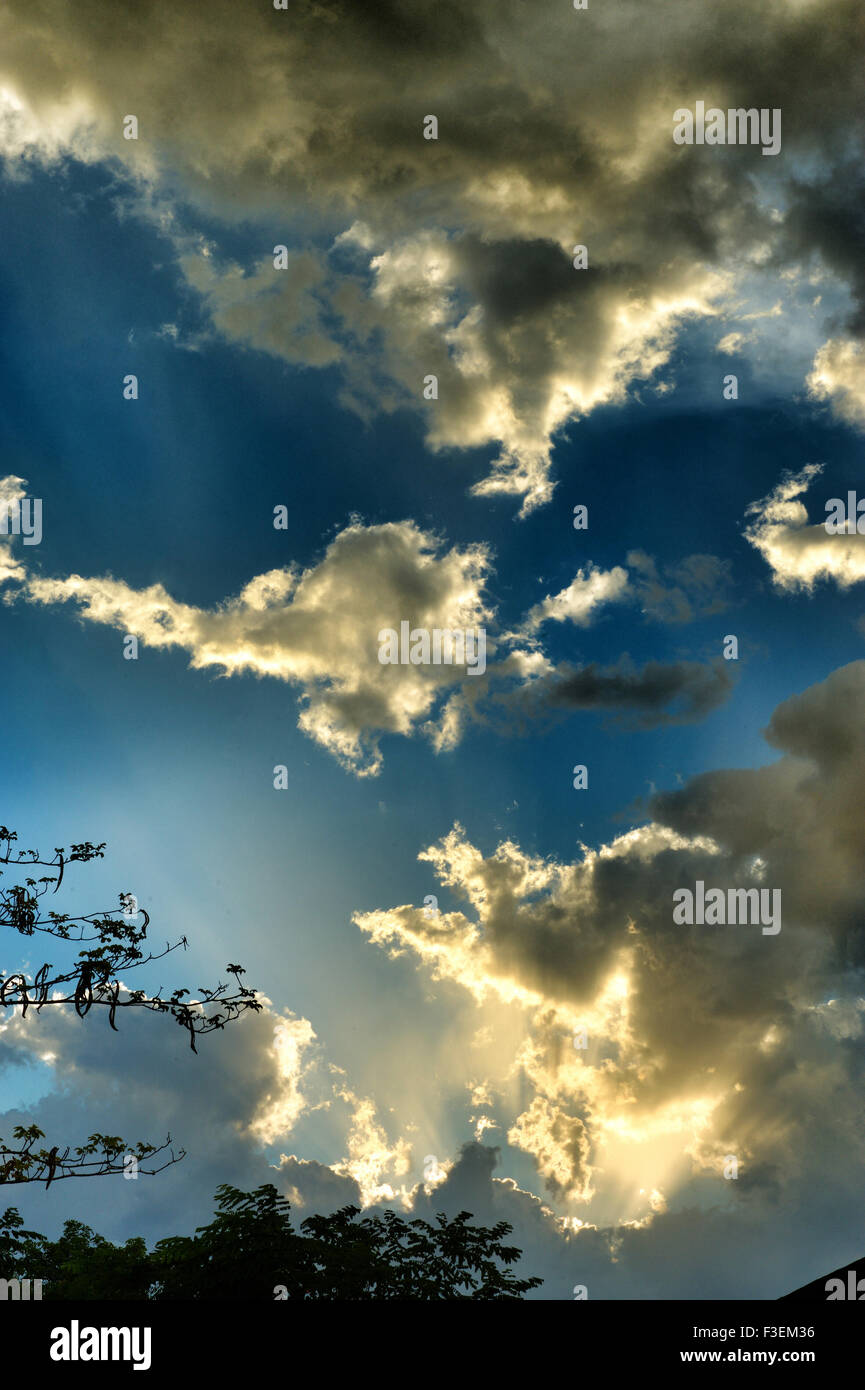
(409, 1057)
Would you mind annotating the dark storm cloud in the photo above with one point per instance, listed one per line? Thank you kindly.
(696, 587)
(555, 129)
(676, 692)
(761, 1034)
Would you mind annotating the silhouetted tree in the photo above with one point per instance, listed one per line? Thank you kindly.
(251, 1251)
(78, 1265)
(113, 943)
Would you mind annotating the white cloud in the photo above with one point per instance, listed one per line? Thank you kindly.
(800, 554)
(12, 491)
(316, 628)
(838, 376)
(702, 1042)
(591, 588)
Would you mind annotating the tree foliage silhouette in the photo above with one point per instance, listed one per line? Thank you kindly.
(114, 945)
(251, 1251)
